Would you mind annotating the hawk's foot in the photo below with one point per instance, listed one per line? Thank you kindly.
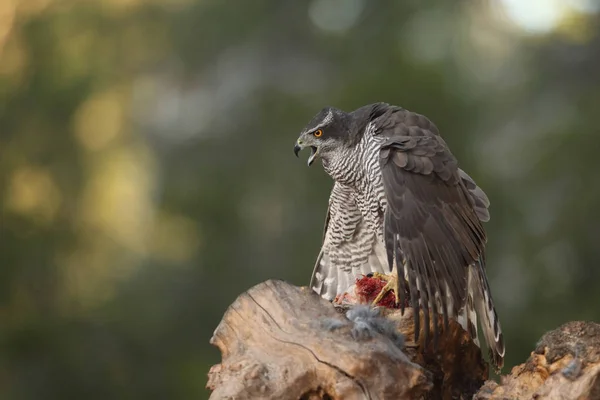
(392, 284)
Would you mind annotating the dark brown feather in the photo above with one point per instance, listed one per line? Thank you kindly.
(430, 217)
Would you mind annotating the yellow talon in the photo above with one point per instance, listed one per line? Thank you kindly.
(392, 284)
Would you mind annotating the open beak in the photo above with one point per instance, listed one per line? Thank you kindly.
(313, 154)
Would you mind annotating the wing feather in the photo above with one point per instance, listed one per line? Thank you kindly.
(430, 217)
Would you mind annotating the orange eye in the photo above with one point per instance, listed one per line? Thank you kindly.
(318, 133)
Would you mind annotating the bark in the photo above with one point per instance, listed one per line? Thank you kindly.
(564, 365)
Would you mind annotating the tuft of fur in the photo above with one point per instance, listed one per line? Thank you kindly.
(365, 323)
(368, 321)
(332, 324)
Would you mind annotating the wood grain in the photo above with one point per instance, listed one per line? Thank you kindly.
(277, 342)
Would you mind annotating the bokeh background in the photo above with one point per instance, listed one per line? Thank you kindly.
(147, 176)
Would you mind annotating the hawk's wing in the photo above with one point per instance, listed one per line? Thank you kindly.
(432, 220)
(349, 247)
(481, 203)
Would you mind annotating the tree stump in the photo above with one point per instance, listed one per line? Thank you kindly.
(564, 365)
(283, 342)
(280, 341)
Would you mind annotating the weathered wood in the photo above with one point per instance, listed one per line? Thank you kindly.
(564, 365)
(283, 342)
(279, 341)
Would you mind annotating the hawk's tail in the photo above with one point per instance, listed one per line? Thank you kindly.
(327, 280)
(479, 303)
(330, 279)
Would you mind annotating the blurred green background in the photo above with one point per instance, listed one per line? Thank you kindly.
(147, 176)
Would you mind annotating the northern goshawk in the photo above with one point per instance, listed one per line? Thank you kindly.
(400, 206)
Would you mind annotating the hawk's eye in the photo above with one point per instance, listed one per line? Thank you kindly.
(318, 133)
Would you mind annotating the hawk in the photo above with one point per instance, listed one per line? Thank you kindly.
(401, 207)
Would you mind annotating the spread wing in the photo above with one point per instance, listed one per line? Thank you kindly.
(431, 222)
(349, 247)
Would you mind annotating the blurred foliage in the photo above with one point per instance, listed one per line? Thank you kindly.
(147, 175)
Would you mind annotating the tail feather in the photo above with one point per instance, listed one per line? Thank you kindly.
(467, 317)
(330, 279)
(480, 299)
(344, 279)
(324, 278)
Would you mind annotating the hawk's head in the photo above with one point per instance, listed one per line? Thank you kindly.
(327, 132)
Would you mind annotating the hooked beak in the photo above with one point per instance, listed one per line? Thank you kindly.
(314, 150)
